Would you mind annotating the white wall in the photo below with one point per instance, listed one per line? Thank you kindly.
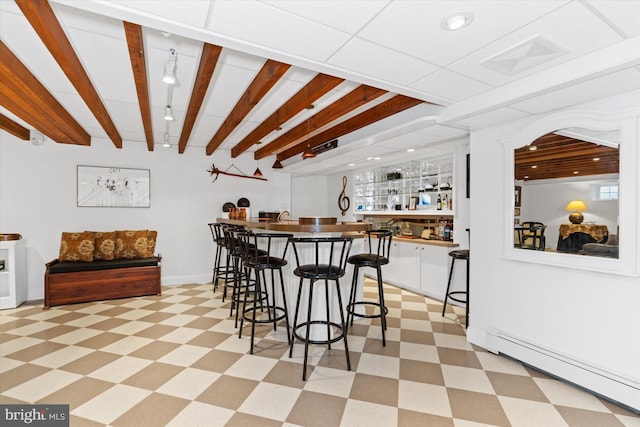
(588, 318)
(38, 200)
(309, 196)
(545, 202)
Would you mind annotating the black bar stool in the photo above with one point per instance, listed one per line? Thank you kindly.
(256, 300)
(377, 256)
(458, 296)
(220, 271)
(329, 260)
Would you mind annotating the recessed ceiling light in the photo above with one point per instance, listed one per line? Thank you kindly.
(534, 167)
(533, 148)
(526, 176)
(376, 158)
(410, 150)
(369, 158)
(352, 164)
(595, 159)
(457, 21)
(576, 172)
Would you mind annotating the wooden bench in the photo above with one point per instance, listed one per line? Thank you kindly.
(74, 282)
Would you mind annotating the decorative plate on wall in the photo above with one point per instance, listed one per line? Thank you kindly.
(243, 202)
(227, 206)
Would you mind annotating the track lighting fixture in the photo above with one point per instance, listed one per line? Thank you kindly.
(308, 153)
(170, 68)
(168, 113)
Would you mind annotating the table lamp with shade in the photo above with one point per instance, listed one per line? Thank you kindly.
(576, 207)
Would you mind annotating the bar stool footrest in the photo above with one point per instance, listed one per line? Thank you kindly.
(247, 314)
(336, 338)
(351, 309)
(457, 299)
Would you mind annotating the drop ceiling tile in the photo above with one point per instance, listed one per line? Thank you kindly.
(450, 85)
(126, 116)
(191, 12)
(442, 131)
(572, 27)
(78, 19)
(226, 87)
(110, 74)
(620, 82)
(415, 27)
(263, 25)
(182, 45)
(493, 118)
(345, 15)
(625, 15)
(380, 62)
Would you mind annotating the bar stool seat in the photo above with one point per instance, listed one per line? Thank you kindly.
(375, 258)
(458, 296)
(329, 255)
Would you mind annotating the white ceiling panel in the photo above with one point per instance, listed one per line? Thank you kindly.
(494, 118)
(102, 69)
(625, 15)
(365, 58)
(263, 25)
(572, 27)
(190, 12)
(442, 131)
(89, 22)
(620, 82)
(450, 85)
(413, 27)
(346, 15)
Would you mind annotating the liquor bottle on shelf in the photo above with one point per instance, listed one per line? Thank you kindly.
(439, 202)
(445, 202)
(451, 204)
(447, 232)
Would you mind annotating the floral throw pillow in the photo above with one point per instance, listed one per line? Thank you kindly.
(131, 244)
(105, 246)
(77, 246)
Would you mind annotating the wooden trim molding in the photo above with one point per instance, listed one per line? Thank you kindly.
(312, 91)
(135, 44)
(266, 78)
(381, 111)
(358, 97)
(23, 95)
(14, 128)
(208, 61)
(45, 23)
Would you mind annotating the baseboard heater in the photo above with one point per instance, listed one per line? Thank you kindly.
(598, 380)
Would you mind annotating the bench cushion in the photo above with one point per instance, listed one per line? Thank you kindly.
(69, 267)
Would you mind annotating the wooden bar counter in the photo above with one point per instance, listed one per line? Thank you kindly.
(294, 226)
(351, 229)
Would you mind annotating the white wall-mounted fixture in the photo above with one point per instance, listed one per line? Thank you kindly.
(37, 138)
(170, 68)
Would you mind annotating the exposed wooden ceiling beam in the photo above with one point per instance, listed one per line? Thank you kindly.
(23, 95)
(14, 128)
(358, 97)
(317, 87)
(381, 111)
(44, 22)
(208, 61)
(135, 44)
(266, 78)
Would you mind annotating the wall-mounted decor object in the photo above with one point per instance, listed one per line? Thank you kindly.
(343, 201)
(113, 187)
(516, 212)
(217, 172)
(518, 196)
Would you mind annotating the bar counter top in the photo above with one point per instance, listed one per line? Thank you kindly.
(292, 226)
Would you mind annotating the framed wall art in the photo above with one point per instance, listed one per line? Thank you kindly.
(113, 187)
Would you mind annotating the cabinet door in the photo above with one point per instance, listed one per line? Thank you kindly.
(434, 269)
(404, 265)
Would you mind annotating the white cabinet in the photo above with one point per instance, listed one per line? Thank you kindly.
(13, 280)
(434, 268)
(404, 265)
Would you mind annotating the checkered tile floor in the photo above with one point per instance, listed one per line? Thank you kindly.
(176, 360)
